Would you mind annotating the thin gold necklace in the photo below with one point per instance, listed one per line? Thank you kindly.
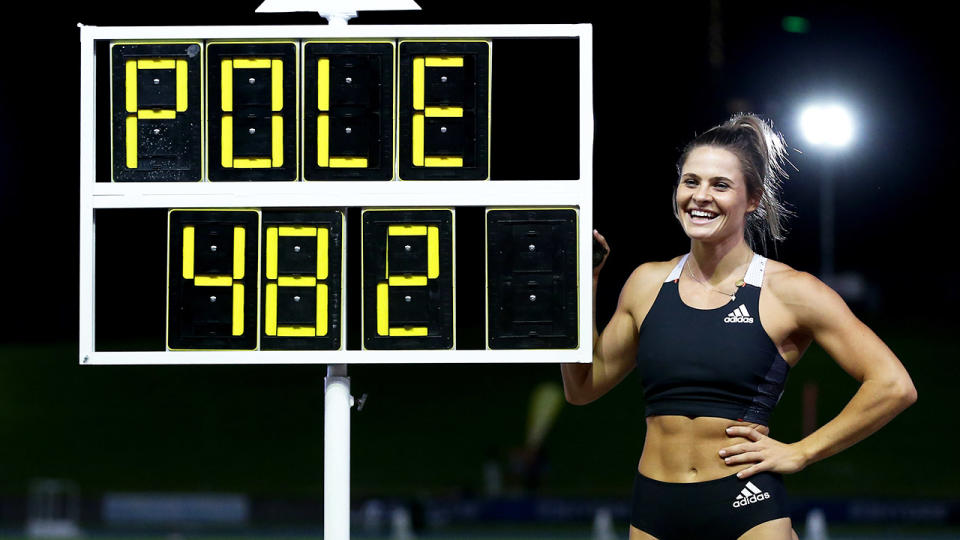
(733, 295)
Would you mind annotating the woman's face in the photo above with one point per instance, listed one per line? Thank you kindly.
(712, 197)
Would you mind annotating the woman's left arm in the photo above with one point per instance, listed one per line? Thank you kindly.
(885, 386)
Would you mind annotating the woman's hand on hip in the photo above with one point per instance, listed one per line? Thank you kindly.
(765, 453)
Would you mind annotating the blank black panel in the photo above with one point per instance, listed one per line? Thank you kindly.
(130, 283)
(535, 122)
(532, 279)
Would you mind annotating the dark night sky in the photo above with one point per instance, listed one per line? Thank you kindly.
(660, 75)
(655, 86)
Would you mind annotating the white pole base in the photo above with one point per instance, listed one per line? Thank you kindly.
(336, 453)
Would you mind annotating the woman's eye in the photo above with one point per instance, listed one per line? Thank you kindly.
(689, 182)
(722, 185)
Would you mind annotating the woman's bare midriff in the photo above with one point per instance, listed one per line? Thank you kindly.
(683, 449)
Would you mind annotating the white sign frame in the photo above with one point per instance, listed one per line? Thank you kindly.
(504, 193)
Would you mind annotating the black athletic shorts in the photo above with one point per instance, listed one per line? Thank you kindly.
(719, 509)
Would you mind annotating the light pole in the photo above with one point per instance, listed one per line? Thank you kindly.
(828, 127)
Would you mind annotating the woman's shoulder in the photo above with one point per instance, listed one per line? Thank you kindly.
(791, 286)
(655, 271)
(648, 276)
(643, 285)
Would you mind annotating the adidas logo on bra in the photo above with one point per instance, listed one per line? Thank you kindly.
(739, 315)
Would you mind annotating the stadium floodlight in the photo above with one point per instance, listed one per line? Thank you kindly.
(829, 125)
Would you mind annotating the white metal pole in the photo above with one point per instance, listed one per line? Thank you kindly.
(336, 453)
(88, 91)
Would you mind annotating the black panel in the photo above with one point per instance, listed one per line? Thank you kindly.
(252, 109)
(297, 257)
(407, 255)
(448, 85)
(251, 134)
(361, 99)
(409, 306)
(448, 136)
(297, 306)
(160, 145)
(467, 87)
(157, 88)
(532, 279)
(252, 87)
(350, 132)
(199, 316)
(214, 248)
(208, 312)
(429, 305)
(535, 100)
(130, 291)
(168, 150)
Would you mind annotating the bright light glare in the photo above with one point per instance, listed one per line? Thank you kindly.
(827, 125)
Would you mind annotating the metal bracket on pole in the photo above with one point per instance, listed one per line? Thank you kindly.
(336, 12)
(339, 19)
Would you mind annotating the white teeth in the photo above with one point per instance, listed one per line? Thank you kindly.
(699, 213)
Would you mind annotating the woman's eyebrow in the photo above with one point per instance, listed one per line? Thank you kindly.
(719, 178)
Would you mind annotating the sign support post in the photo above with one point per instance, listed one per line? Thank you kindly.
(336, 452)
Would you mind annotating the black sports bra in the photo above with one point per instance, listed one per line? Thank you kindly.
(710, 362)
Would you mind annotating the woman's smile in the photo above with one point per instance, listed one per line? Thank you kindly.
(699, 217)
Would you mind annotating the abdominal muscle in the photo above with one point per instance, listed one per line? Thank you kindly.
(682, 449)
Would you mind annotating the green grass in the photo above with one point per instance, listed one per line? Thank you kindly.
(425, 431)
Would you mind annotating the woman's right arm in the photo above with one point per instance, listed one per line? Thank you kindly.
(614, 351)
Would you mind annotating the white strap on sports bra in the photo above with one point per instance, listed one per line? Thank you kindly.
(754, 274)
(677, 270)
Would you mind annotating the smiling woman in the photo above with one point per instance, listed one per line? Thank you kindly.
(760, 155)
(713, 334)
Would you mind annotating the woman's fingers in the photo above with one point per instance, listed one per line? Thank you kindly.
(752, 470)
(598, 260)
(600, 238)
(739, 449)
(744, 431)
(746, 457)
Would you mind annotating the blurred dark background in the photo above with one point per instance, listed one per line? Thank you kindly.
(427, 433)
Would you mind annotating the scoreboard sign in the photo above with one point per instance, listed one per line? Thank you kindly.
(259, 143)
(252, 90)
